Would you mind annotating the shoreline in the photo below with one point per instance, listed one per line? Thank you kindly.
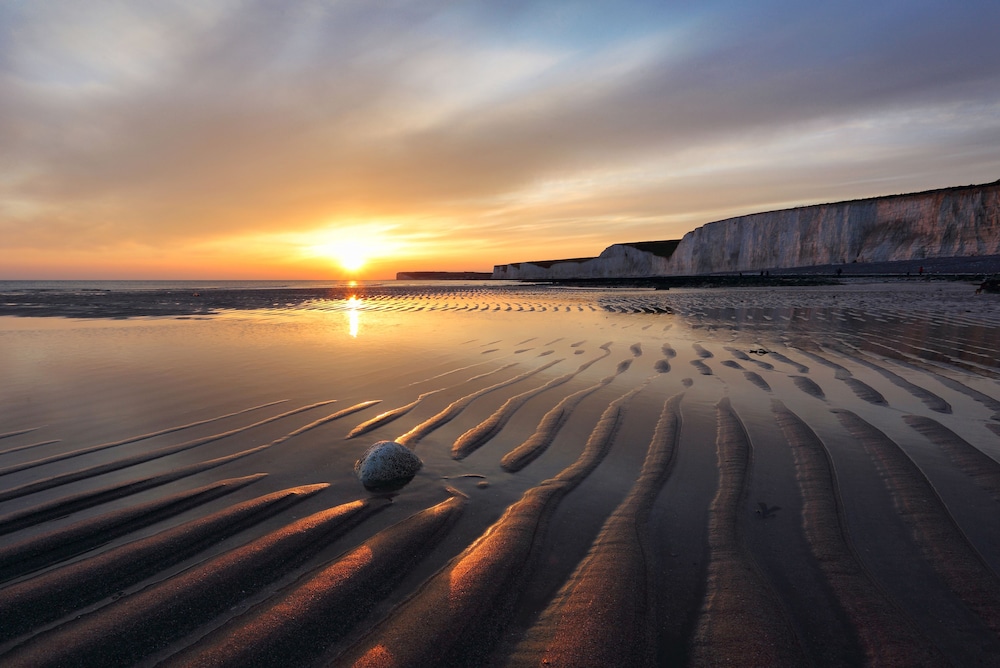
(206, 302)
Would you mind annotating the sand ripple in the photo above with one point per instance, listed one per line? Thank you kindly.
(845, 516)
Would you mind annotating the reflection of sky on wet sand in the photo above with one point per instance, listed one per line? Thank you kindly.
(88, 382)
(353, 315)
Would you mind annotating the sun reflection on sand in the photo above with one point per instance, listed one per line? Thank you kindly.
(353, 315)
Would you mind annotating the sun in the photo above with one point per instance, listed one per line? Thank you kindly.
(353, 248)
(350, 255)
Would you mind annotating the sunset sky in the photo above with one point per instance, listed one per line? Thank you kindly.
(286, 139)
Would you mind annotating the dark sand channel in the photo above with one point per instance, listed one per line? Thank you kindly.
(767, 476)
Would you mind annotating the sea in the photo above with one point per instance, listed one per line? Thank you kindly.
(136, 285)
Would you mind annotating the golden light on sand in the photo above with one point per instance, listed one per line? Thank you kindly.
(353, 318)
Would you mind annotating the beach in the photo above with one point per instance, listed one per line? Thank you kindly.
(739, 476)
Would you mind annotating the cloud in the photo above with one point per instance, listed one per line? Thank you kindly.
(171, 123)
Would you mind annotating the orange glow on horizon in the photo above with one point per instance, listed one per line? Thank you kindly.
(350, 255)
(239, 261)
(336, 250)
(352, 247)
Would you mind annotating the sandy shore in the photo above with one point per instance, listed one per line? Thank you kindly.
(757, 476)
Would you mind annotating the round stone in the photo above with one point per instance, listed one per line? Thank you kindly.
(387, 466)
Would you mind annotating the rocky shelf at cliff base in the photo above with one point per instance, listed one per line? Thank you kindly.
(952, 226)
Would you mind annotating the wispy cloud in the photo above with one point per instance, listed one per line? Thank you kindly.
(168, 126)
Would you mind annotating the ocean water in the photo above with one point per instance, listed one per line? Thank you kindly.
(131, 299)
(119, 286)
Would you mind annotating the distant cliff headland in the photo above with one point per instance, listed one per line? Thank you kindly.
(931, 227)
(443, 275)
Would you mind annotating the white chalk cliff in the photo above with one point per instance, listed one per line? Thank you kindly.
(637, 259)
(951, 222)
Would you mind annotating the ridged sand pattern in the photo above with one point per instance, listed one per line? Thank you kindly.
(940, 540)
(47, 596)
(553, 421)
(131, 628)
(413, 436)
(605, 613)
(487, 429)
(740, 616)
(886, 637)
(49, 548)
(983, 469)
(300, 623)
(691, 477)
(461, 610)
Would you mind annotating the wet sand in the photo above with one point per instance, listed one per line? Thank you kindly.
(753, 476)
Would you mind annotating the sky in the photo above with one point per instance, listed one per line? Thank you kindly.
(309, 139)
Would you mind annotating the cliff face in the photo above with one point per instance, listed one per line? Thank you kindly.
(953, 222)
(632, 259)
(529, 271)
(941, 223)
